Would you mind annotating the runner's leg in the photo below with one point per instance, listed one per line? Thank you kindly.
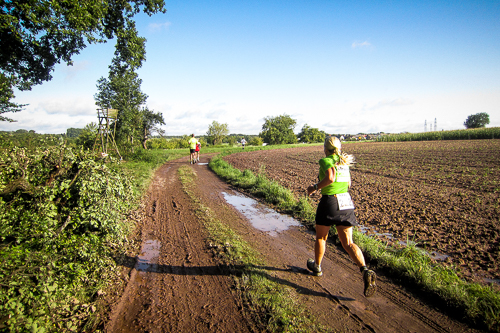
(345, 235)
(320, 245)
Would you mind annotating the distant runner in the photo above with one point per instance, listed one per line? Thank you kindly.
(192, 149)
(243, 142)
(197, 150)
(336, 208)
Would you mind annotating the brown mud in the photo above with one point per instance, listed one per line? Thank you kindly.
(177, 284)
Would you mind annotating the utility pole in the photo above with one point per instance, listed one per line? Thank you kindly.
(435, 124)
(425, 126)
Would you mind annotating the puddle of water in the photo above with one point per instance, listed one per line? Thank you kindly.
(261, 217)
(150, 251)
(201, 163)
(495, 281)
(438, 256)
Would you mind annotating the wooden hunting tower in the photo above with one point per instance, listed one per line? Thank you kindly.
(105, 138)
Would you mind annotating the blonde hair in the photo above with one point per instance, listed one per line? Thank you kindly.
(333, 146)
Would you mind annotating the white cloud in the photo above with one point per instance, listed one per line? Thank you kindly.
(66, 106)
(362, 44)
(156, 27)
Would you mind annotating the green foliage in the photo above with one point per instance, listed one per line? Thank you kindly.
(122, 90)
(60, 217)
(309, 134)
(467, 134)
(29, 139)
(217, 132)
(477, 120)
(37, 35)
(231, 140)
(149, 121)
(87, 136)
(174, 143)
(6, 97)
(258, 185)
(278, 130)
(256, 141)
(73, 132)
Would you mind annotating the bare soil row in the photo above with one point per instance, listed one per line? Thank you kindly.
(443, 195)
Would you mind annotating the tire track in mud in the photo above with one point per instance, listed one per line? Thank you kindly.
(181, 289)
(185, 289)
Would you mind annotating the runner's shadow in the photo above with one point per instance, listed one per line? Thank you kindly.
(241, 271)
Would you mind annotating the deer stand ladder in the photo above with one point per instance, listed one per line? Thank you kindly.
(107, 128)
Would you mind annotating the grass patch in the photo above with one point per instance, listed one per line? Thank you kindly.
(141, 165)
(479, 304)
(275, 306)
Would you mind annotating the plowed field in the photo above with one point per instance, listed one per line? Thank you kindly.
(443, 195)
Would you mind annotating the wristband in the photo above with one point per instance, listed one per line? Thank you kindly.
(315, 187)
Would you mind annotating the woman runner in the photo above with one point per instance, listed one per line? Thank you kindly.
(336, 208)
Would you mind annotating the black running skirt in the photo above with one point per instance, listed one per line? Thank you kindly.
(328, 213)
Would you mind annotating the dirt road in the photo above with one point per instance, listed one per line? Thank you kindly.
(177, 285)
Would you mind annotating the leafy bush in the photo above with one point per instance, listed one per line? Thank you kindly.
(175, 143)
(60, 213)
(256, 141)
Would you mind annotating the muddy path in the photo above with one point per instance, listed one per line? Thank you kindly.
(176, 284)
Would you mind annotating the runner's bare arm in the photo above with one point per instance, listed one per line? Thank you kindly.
(329, 178)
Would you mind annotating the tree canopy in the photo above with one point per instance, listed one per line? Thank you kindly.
(278, 130)
(122, 89)
(477, 120)
(36, 35)
(309, 134)
(217, 132)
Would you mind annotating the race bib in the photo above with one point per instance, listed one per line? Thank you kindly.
(345, 201)
(342, 173)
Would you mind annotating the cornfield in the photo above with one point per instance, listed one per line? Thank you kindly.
(466, 134)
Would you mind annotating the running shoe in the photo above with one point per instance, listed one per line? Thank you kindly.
(369, 278)
(316, 270)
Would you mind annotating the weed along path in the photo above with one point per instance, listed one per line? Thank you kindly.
(186, 278)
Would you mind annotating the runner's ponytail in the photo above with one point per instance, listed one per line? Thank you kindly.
(333, 146)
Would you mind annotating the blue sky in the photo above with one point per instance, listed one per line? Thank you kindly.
(340, 66)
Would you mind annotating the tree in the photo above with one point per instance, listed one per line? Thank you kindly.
(217, 132)
(278, 130)
(309, 134)
(36, 35)
(149, 121)
(477, 120)
(73, 132)
(88, 135)
(256, 141)
(122, 90)
(6, 95)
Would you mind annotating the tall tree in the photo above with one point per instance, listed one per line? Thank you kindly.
(278, 130)
(122, 89)
(149, 121)
(38, 34)
(477, 120)
(309, 134)
(217, 132)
